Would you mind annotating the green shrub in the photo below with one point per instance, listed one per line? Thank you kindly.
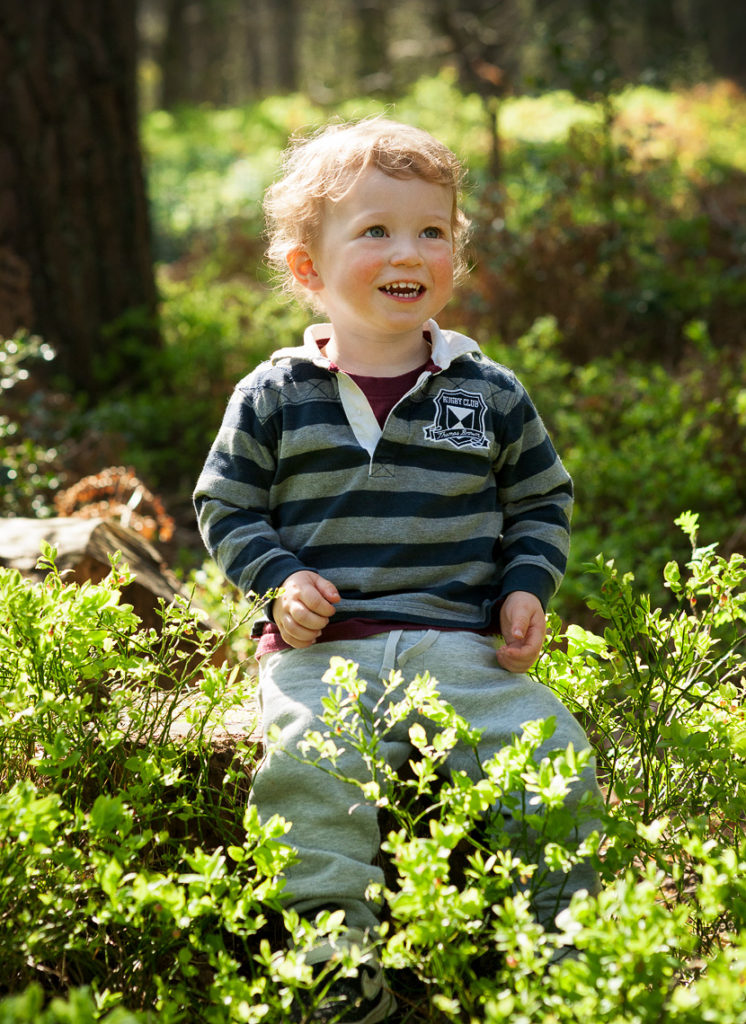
(661, 697)
(207, 166)
(78, 1007)
(136, 888)
(623, 230)
(113, 875)
(641, 442)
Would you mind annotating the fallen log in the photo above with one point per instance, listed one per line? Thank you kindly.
(83, 550)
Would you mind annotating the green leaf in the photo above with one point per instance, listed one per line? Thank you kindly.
(689, 524)
(108, 814)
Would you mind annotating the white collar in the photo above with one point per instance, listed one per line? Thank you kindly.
(445, 345)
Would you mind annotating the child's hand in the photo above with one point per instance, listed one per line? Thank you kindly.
(304, 607)
(524, 627)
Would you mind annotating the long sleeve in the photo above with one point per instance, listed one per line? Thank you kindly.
(536, 494)
(232, 500)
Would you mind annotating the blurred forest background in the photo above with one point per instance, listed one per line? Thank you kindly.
(606, 147)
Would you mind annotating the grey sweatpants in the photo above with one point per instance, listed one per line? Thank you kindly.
(334, 831)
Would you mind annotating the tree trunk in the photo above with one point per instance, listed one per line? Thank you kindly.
(198, 53)
(284, 18)
(177, 77)
(485, 40)
(724, 26)
(73, 211)
(373, 70)
(252, 41)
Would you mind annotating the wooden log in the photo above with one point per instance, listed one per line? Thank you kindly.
(83, 550)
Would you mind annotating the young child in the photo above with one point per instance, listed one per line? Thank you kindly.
(401, 490)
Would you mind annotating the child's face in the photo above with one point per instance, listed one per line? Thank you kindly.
(383, 263)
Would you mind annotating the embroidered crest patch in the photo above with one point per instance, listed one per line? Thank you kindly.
(459, 419)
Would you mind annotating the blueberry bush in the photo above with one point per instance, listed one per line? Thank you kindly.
(138, 885)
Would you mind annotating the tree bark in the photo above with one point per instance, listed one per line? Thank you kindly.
(373, 69)
(284, 18)
(177, 78)
(198, 53)
(73, 211)
(724, 25)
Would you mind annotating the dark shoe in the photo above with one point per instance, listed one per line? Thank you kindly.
(360, 998)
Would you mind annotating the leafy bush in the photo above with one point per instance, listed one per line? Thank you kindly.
(663, 698)
(137, 887)
(641, 442)
(105, 817)
(207, 166)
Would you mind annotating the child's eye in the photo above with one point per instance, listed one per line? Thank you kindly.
(375, 232)
(432, 233)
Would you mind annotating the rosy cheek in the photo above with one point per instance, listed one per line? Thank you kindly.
(364, 266)
(443, 266)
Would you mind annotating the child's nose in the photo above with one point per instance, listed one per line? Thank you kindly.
(406, 252)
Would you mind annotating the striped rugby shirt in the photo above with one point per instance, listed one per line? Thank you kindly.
(458, 501)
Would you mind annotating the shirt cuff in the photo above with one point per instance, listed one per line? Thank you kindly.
(530, 578)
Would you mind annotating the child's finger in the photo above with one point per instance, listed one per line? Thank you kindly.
(514, 661)
(520, 653)
(327, 590)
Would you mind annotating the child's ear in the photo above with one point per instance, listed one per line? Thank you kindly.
(303, 270)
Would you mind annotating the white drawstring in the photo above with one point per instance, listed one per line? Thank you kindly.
(390, 658)
(389, 653)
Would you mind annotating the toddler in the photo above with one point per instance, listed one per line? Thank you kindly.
(400, 490)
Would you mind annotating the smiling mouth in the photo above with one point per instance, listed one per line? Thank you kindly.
(403, 289)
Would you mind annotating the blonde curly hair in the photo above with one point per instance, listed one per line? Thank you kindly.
(322, 167)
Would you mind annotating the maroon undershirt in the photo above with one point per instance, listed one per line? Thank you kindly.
(382, 393)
